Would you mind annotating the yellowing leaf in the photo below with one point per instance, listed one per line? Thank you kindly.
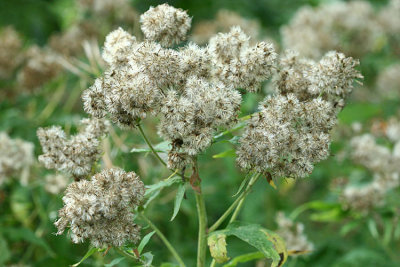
(217, 244)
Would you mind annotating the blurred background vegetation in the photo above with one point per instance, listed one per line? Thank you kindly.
(340, 237)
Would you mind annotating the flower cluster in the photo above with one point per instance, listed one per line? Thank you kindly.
(165, 24)
(55, 183)
(16, 157)
(76, 154)
(287, 136)
(389, 17)
(388, 81)
(10, 51)
(331, 78)
(41, 66)
(192, 89)
(224, 21)
(69, 42)
(382, 162)
(101, 209)
(350, 27)
(293, 234)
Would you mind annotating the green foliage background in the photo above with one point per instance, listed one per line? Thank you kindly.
(27, 213)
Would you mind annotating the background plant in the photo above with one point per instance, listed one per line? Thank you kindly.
(57, 103)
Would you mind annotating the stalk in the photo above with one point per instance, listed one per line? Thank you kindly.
(164, 240)
(239, 206)
(202, 238)
(150, 145)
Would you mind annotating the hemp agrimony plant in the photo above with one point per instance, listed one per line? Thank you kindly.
(196, 94)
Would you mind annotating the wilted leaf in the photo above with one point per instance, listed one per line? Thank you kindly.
(267, 242)
(217, 245)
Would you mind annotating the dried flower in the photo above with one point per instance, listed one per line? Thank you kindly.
(69, 43)
(223, 22)
(189, 120)
(388, 81)
(331, 78)
(16, 158)
(55, 183)
(42, 65)
(287, 136)
(75, 155)
(10, 51)
(386, 171)
(293, 234)
(238, 64)
(101, 209)
(350, 27)
(165, 24)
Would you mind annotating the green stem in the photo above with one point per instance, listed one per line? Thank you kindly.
(126, 254)
(239, 206)
(164, 239)
(202, 238)
(150, 145)
(228, 211)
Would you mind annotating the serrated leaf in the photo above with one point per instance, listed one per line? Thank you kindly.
(217, 245)
(144, 241)
(178, 200)
(226, 154)
(244, 258)
(269, 243)
(114, 262)
(87, 255)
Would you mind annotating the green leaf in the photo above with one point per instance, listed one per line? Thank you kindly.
(153, 190)
(162, 147)
(269, 243)
(178, 200)
(87, 255)
(359, 112)
(144, 241)
(332, 215)
(245, 258)
(146, 259)
(373, 229)
(114, 262)
(217, 245)
(226, 154)
(349, 227)
(218, 138)
(314, 205)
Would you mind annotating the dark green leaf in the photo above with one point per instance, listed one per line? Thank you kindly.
(144, 241)
(178, 200)
(87, 255)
